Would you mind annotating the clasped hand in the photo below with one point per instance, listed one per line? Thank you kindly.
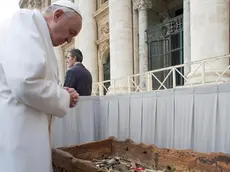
(73, 96)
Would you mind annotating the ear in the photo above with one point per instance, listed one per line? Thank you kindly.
(58, 14)
(75, 58)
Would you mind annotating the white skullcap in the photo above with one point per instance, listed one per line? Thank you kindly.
(68, 4)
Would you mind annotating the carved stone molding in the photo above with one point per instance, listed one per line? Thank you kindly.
(103, 47)
(34, 4)
(142, 4)
(104, 31)
(45, 3)
(31, 4)
(102, 11)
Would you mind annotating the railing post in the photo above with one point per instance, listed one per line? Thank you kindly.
(174, 77)
(149, 81)
(203, 72)
(114, 86)
(129, 85)
(101, 89)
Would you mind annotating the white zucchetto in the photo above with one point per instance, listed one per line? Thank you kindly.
(68, 4)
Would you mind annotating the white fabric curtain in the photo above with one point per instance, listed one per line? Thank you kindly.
(188, 118)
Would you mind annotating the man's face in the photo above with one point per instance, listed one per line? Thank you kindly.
(64, 27)
(70, 60)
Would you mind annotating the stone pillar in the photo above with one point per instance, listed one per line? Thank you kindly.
(76, 39)
(135, 45)
(85, 41)
(135, 41)
(121, 47)
(61, 62)
(187, 35)
(142, 6)
(209, 36)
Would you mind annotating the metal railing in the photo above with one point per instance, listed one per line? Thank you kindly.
(208, 71)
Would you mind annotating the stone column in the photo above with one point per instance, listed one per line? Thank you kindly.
(209, 36)
(76, 39)
(121, 48)
(85, 41)
(142, 6)
(61, 62)
(135, 42)
(187, 35)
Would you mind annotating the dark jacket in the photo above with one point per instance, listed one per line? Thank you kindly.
(79, 78)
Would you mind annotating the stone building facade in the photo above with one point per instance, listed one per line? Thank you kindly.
(124, 37)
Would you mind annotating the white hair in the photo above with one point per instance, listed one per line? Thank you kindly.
(50, 9)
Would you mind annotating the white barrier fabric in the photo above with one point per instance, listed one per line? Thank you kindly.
(186, 118)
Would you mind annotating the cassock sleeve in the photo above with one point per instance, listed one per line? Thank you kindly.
(26, 70)
(70, 80)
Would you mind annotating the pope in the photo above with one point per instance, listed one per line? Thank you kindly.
(29, 90)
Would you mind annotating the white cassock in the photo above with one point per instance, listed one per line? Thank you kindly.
(29, 93)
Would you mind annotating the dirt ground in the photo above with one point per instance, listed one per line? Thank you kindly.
(111, 154)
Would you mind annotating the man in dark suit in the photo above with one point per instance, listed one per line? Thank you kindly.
(78, 77)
